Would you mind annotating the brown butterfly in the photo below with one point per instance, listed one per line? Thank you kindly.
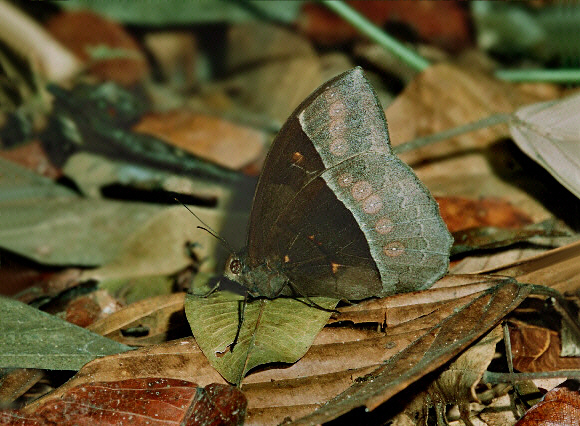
(335, 212)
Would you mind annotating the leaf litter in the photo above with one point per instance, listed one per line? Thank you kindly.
(352, 356)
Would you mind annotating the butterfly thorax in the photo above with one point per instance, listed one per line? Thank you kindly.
(264, 280)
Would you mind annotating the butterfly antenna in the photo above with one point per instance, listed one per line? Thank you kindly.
(208, 228)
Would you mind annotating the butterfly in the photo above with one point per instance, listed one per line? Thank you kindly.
(335, 212)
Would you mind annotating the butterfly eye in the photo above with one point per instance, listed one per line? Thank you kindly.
(235, 266)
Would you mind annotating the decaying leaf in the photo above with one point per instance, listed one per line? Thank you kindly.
(138, 402)
(156, 316)
(538, 349)
(273, 330)
(456, 384)
(474, 95)
(430, 351)
(490, 237)
(558, 268)
(461, 213)
(560, 406)
(340, 355)
(216, 139)
(83, 31)
(171, 230)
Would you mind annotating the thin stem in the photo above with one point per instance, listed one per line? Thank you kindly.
(540, 75)
(377, 35)
(494, 378)
(489, 121)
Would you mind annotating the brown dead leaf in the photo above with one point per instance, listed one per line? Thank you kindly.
(272, 68)
(215, 139)
(139, 402)
(445, 96)
(175, 53)
(158, 315)
(252, 43)
(399, 309)
(558, 268)
(456, 384)
(16, 383)
(559, 407)
(84, 310)
(339, 356)
(538, 349)
(430, 351)
(478, 164)
(82, 31)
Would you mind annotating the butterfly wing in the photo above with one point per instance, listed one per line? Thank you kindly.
(337, 210)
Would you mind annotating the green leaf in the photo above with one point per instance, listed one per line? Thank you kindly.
(30, 338)
(188, 12)
(51, 224)
(274, 330)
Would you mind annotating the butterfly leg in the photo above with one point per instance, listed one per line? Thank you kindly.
(310, 303)
(241, 314)
(209, 292)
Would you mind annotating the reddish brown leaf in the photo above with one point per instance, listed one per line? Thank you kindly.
(139, 402)
(559, 407)
(32, 156)
(82, 31)
(82, 311)
(538, 349)
(462, 213)
(445, 24)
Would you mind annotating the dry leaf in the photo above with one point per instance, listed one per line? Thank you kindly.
(138, 402)
(558, 269)
(158, 315)
(430, 351)
(32, 156)
(278, 70)
(445, 96)
(548, 133)
(339, 356)
(216, 139)
(559, 407)
(445, 24)
(538, 349)
(119, 59)
(456, 384)
(463, 213)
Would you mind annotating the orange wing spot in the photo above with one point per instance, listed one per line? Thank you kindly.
(286, 258)
(334, 267)
(297, 158)
(314, 240)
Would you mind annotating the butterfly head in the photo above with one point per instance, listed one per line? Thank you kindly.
(260, 281)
